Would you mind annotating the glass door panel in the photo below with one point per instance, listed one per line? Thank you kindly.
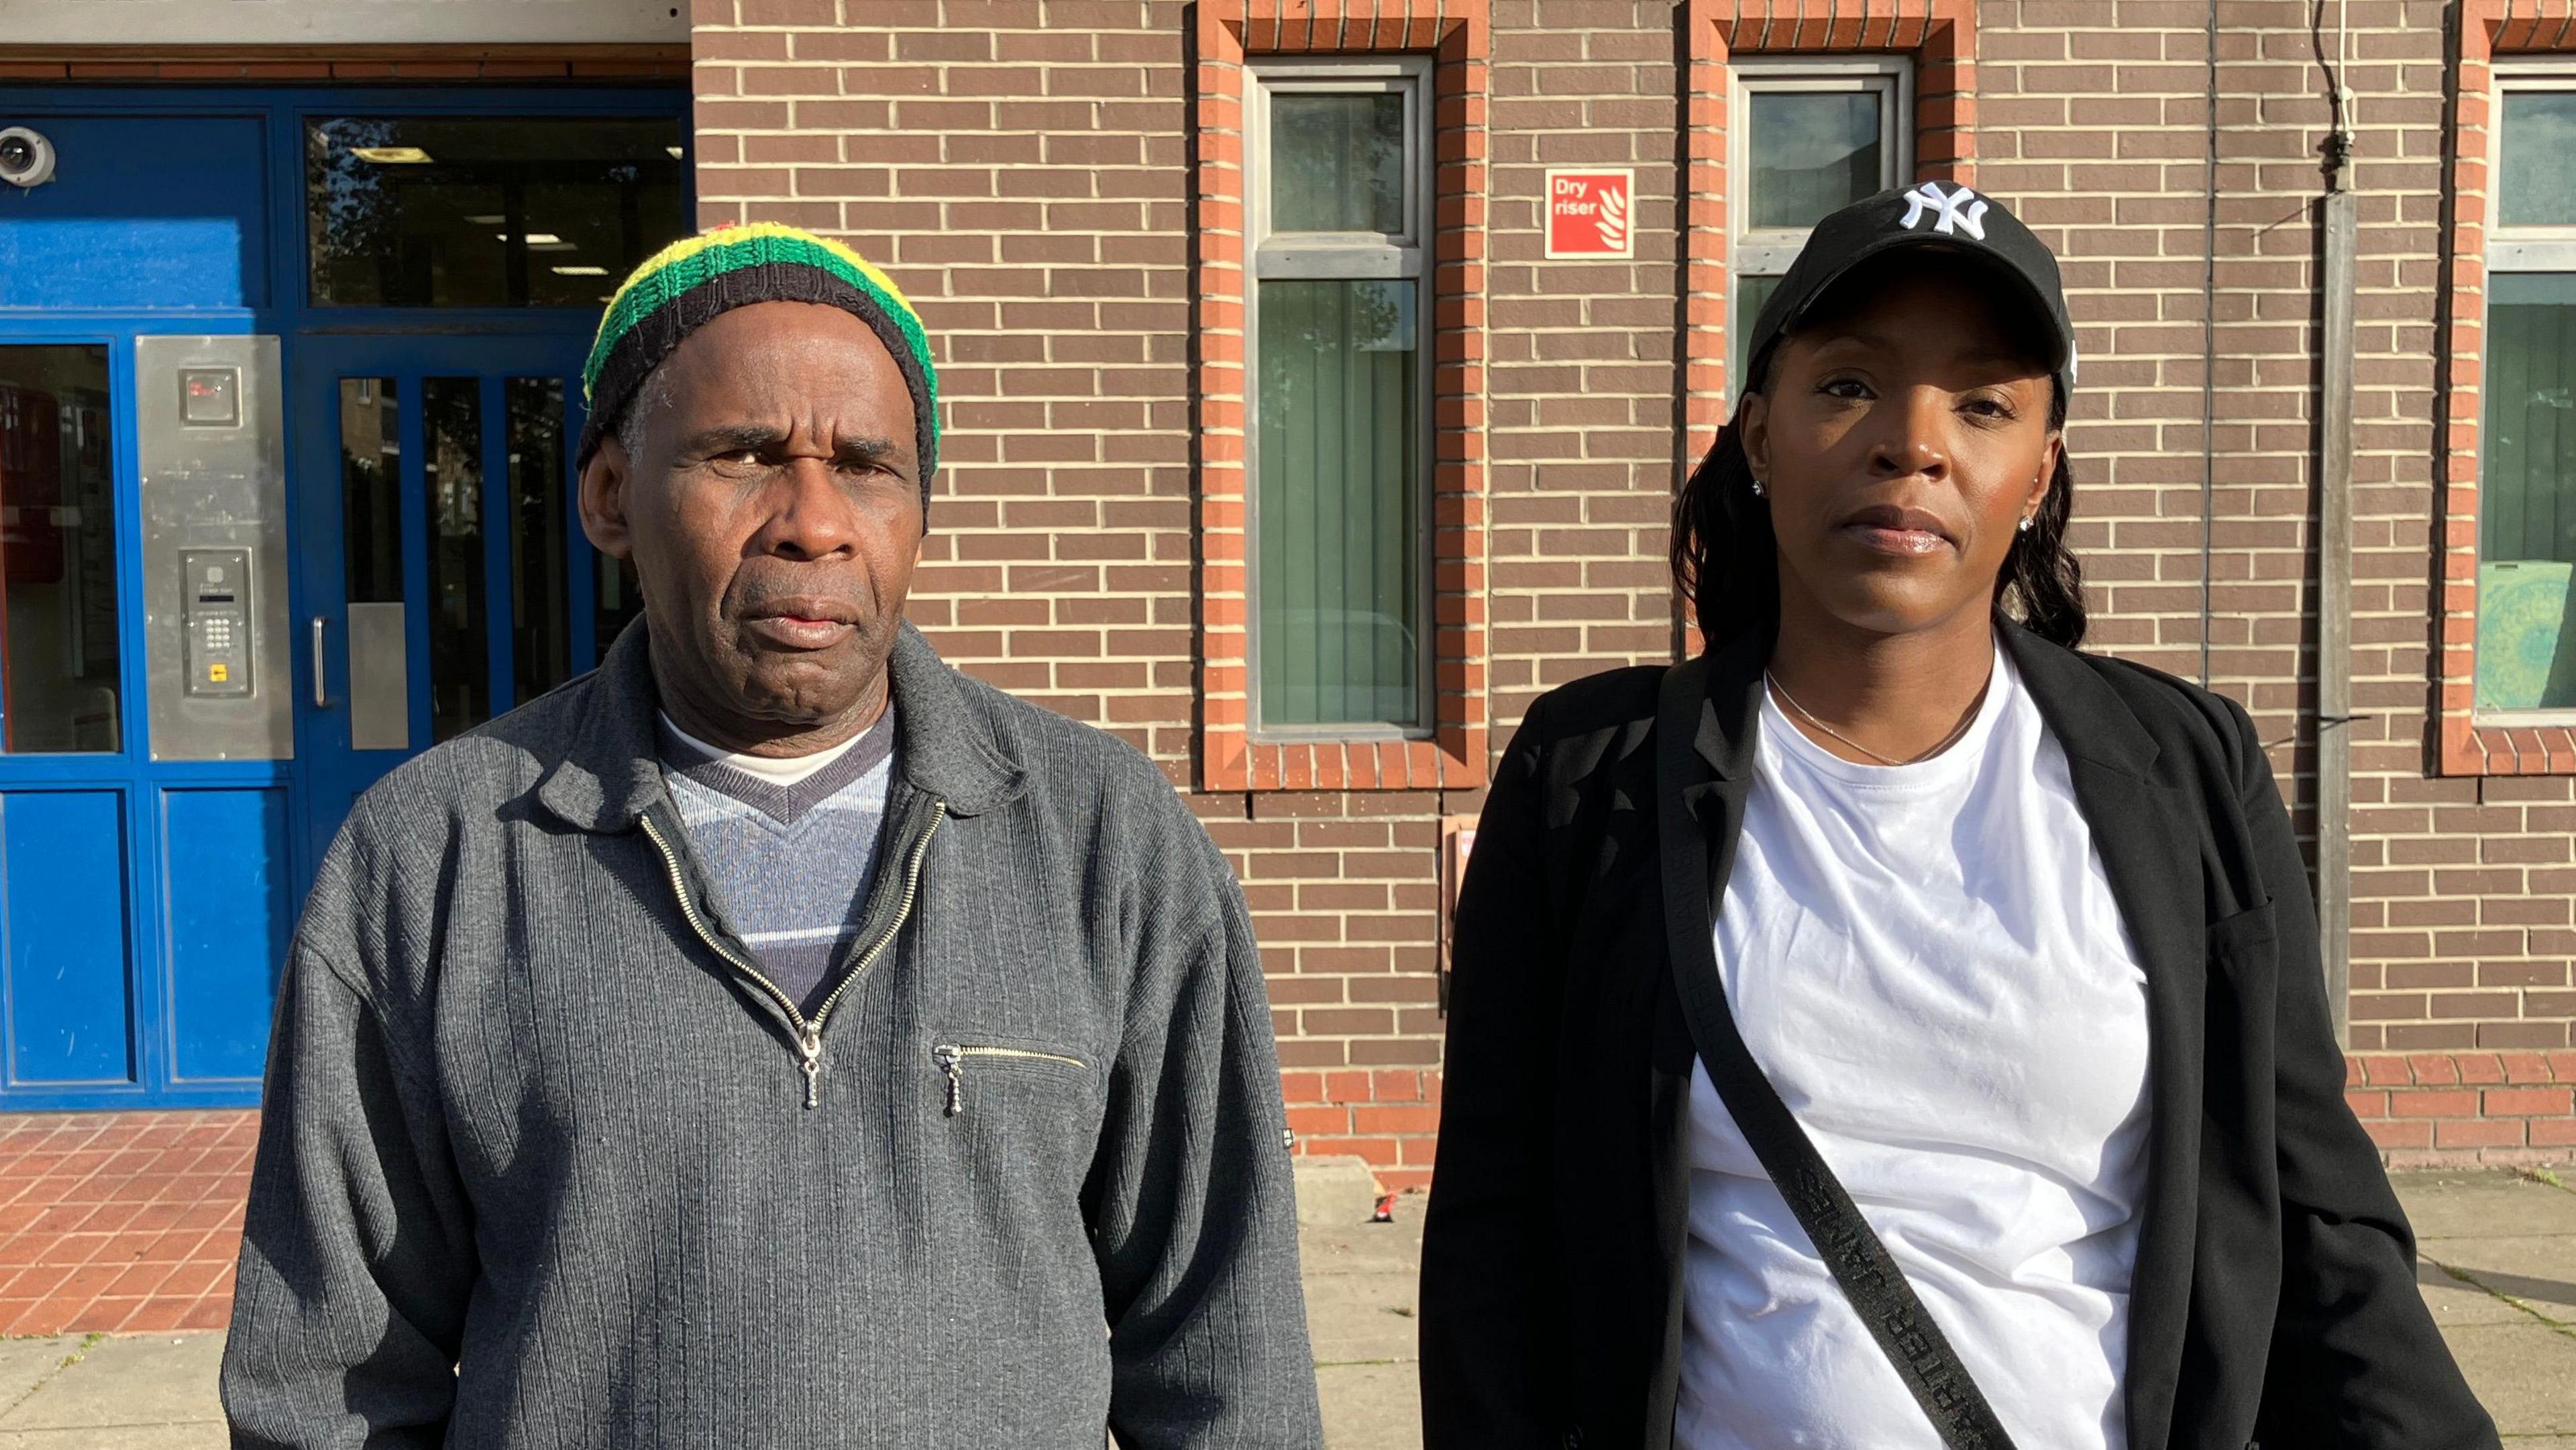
(58, 604)
(542, 536)
(371, 541)
(459, 583)
(67, 985)
(460, 635)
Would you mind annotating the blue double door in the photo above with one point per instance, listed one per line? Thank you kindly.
(434, 574)
(443, 576)
(289, 388)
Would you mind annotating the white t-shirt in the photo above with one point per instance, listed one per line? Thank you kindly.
(1927, 961)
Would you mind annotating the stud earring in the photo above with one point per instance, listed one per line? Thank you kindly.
(1758, 490)
(2026, 523)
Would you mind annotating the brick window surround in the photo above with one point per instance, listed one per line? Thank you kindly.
(1939, 34)
(2489, 29)
(1227, 33)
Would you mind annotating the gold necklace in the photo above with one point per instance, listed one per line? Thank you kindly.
(1945, 742)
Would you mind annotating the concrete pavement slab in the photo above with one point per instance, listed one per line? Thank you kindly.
(27, 1363)
(121, 1437)
(2456, 1302)
(144, 1379)
(1361, 1317)
(2541, 1272)
(2484, 1205)
(1366, 1248)
(1370, 1406)
(2525, 1374)
(1361, 1312)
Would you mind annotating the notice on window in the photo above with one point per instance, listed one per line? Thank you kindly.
(1591, 213)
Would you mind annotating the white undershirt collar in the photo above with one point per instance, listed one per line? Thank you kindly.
(781, 769)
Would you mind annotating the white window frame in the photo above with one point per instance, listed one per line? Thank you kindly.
(2514, 249)
(1768, 251)
(1405, 255)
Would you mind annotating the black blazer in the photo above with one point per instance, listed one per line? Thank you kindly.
(2274, 1297)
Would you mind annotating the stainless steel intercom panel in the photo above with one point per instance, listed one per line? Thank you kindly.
(211, 445)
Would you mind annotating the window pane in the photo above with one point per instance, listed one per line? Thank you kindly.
(1752, 294)
(1336, 163)
(1337, 511)
(2527, 513)
(1812, 153)
(58, 606)
(2539, 182)
(487, 212)
(371, 489)
(540, 526)
(460, 652)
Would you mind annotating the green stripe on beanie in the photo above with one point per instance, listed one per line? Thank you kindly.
(695, 280)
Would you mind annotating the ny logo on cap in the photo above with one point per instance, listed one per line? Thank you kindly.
(1960, 211)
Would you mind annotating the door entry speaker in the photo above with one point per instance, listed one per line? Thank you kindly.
(211, 449)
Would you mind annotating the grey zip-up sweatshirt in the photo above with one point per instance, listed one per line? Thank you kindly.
(545, 1164)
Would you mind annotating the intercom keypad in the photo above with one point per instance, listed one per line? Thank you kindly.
(217, 599)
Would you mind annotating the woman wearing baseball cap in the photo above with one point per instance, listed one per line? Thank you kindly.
(1892, 1028)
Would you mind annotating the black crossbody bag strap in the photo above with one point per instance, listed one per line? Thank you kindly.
(1860, 1263)
(1852, 1250)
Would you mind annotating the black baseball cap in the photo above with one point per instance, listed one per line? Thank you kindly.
(1932, 214)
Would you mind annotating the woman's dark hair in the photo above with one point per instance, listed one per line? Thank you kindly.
(1727, 562)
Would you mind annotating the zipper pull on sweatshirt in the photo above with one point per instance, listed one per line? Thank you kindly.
(952, 1062)
(809, 1056)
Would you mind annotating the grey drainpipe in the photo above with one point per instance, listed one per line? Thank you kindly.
(2334, 716)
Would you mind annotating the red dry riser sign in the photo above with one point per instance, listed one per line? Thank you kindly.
(1591, 213)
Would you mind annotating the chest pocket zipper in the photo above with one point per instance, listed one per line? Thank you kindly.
(952, 1058)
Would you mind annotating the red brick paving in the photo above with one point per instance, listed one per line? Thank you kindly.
(121, 1221)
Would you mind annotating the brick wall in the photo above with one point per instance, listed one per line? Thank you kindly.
(1023, 167)
(2094, 118)
(1023, 171)
(1585, 357)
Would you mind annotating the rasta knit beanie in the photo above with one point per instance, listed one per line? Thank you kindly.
(695, 280)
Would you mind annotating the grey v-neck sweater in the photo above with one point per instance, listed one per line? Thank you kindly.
(545, 1167)
(788, 864)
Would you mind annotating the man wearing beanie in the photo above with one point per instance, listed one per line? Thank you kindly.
(774, 1038)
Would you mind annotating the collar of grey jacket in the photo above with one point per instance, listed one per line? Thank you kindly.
(611, 769)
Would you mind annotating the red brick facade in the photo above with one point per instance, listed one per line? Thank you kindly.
(1058, 184)
(1051, 182)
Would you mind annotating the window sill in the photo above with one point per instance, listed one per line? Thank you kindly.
(2510, 745)
(1369, 736)
(1454, 759)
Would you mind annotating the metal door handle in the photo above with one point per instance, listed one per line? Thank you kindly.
(321, 681)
